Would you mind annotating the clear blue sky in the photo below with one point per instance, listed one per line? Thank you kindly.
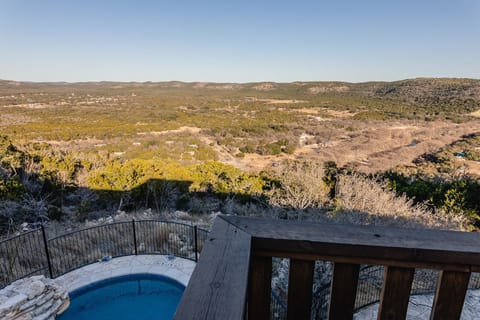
(238, 41)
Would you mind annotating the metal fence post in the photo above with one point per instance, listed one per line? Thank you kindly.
(196, 243)
(47, 253)
(134, 236)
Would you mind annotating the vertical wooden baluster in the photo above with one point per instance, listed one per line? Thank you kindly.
(300, 289)
(450, 295)
(395, 293)
(259, 292)
(343, 291)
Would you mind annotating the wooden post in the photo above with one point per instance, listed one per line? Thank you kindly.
(343, 291)
(260, 288)
(300, 284)
(450, 295)
(397, 283)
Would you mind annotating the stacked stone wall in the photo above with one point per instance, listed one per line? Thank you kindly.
(34, 298)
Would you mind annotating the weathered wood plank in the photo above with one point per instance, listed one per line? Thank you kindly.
(343, 291)
(260, 288)
(397, 283)
(431, 247)
(314, 256)
(300, 284)
(450, 295)
(218, 286)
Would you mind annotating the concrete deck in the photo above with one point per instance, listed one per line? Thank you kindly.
(420, 306)
(176, 268)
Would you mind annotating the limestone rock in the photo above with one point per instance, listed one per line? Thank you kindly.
(34, 289)
(34, 298)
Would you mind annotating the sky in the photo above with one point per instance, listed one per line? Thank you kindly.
(238, 41)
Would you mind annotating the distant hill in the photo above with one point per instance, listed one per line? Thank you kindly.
(116, 135)
(423, 92)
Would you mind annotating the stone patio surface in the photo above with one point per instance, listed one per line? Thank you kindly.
(420, 306)
(176, 268)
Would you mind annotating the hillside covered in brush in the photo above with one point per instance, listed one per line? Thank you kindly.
(76, 151)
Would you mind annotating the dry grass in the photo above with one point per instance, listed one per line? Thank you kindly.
(301, 186)
(475, 114)
(365, 201)
(366, 146)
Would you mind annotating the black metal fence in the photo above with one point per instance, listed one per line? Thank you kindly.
(32, 253)
(22, 256)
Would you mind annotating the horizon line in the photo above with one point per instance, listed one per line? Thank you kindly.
(230, 82)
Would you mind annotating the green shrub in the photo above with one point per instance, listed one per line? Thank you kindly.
(371, 115)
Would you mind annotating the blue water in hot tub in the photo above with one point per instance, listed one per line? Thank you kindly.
(138, 296)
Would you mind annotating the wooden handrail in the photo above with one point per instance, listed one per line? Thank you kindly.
(218, 285)
(240, 249)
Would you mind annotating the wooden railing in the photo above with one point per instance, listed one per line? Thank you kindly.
(233, 277)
